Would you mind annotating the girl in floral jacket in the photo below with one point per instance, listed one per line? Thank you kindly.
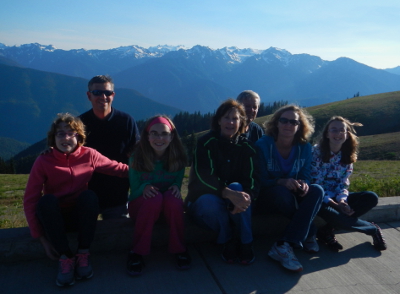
(332, 165)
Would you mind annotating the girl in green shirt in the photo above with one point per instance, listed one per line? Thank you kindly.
(156, 171)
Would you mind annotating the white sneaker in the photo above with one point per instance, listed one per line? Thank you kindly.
(310, 245)
(284, 254)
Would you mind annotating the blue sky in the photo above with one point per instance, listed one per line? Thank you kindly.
(366, 31)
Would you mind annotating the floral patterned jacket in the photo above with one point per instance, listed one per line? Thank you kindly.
(333, 176)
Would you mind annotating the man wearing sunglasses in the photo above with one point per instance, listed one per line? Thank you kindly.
(113, 133)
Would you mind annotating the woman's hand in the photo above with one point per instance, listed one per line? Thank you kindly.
(149, 191)
(241, 200)
(49, 249)
(293, 185)
(304, 187)
(175, 191)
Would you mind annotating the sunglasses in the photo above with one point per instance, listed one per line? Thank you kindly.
(101, 92)
(293, 122)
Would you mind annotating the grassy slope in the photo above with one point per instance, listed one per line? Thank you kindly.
(378, 113)
(382, 146)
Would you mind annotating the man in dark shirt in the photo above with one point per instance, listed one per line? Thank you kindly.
(113, 133)
(251, 103)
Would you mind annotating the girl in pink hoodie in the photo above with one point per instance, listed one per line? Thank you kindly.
(57, 200)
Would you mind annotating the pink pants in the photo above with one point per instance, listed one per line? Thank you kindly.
(145, 213)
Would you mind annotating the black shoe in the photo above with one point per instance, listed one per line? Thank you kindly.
(326, 235)
(246, 254)
(135, 264)
(379, 241)
(229, 252)
(183, 260)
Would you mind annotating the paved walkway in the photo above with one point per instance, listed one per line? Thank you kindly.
(359, 268)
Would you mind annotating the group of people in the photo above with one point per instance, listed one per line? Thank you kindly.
(98, 164)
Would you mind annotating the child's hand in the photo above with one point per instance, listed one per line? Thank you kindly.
(49, 249)
(149, 191)
(345, 208)
(175, 191)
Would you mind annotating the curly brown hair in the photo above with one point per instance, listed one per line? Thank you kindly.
(306, 127)
(144, 157)
(349, 148)
(75, 124)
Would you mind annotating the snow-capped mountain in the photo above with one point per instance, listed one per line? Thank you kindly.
(199, 78)
(86, 63)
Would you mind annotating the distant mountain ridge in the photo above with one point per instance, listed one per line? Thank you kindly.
(31, 99)
(199, 78)
(110, 61)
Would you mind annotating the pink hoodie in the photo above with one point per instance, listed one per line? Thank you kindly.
(65, 176)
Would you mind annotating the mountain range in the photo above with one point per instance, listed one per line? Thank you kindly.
(31, 99)
(40, 80)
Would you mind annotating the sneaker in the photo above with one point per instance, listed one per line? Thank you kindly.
(229, 252)
(83, 267)
(183, 260)
(327, 236)
(310, 245)
(135, 264)
(284, 254)
(65, 275)
(246, 254)
(379, 241)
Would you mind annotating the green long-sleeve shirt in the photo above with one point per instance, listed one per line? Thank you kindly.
(159, 178)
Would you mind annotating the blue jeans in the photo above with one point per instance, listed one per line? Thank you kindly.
(300, 210)
(57, 221)
(361, 203)
(211, 211)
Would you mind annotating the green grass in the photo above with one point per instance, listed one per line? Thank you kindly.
(12, 188)
(381, 177)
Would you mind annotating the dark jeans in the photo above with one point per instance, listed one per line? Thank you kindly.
(361, 203)
(300, 210)
(58, 221)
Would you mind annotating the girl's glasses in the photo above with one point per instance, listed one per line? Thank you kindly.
(335, 131)
(61, 134)
(155, 135)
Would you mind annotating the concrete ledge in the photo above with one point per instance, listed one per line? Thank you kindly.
(387, 210)
(116, 235)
